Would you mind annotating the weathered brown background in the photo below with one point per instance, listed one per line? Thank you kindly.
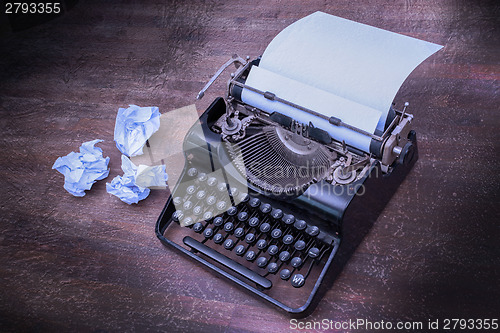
(94, 263)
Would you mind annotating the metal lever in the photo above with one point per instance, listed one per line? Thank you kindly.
(234, 59)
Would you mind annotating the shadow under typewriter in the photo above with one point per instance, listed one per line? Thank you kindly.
(276, 234)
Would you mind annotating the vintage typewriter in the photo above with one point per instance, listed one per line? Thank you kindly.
(277, 205)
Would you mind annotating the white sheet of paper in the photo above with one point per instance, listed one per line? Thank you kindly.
(360, 63)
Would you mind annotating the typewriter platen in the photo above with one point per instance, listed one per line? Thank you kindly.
(275, 204)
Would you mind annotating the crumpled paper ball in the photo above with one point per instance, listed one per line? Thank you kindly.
(124, 187)
(82, 169)
(134, 126)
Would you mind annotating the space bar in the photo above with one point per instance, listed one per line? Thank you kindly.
(229, 263)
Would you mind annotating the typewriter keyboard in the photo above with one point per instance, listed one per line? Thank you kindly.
(247, 235)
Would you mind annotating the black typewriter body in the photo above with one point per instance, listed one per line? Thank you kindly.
(286, 250)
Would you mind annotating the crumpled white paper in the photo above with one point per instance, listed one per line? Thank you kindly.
(132, 186)
(82, 169)
(134, 126)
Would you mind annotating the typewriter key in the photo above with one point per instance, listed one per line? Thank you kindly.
(272, 267)
(177, 201)
(218, 238)
(211, 200)
(300, 245)
(187, 221)
(244, 197)
(192, 172)
(265, 208)
(234, 192)
(202, 177)
(190, 189)
(231, 211)
(262, 262)
(276, 233)
(288, 219)
(296, 262)
(312, 231)
(218, 221)
(261, 244)
(228, 244)
(197, 210)
(239, 232)
(207, 216)
(222, 187)
(178, 215)
(212, 181)
(298, 280)
(198, 227)
(300, 224)
(209, 232)
(313, 252)
(250, 238)
(250, 256)
(201, 194)
(272, 250)
(242, 216)
(285, 274)
(253, 222)
(187, 205)
(221, 205)
(284, 256)
(254, 202)
(240, 250)
(277, 213)
(265, 227)
(228, 227)
(288, 239)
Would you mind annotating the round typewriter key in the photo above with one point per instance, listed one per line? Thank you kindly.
(300, 245)
(265, 227)
(234, 192)
(239, 232)
(288, 219)
(177, 201)
(198, 227)
(178, 215)
(201, 194)
(272, 267)
(265, 208)
(276, 233)
(187, 205)
(244, 197)
(222, 187)
(250, 238)
(298, 280)
(202, 177)
(272, 250)
(191, 189)
(288, 239)
(296, 262)
(228, 227)
(207, 216)
(231, 211)
(277, 213)
(300, 224)
(284, 256)
(197, 210)
(313, 252)
(312, 231)
(242, 216)
(240, 250)
(211, 200)
(262, 262)
(228, 244)
(187, 222)
(254, 202)
(261, 244)
(285, 274)
(218, 238)
(221, 205)
(212, 181)
(253, 222)
(208, 232)
(192, 172)
(218, 221)
(250, 256)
